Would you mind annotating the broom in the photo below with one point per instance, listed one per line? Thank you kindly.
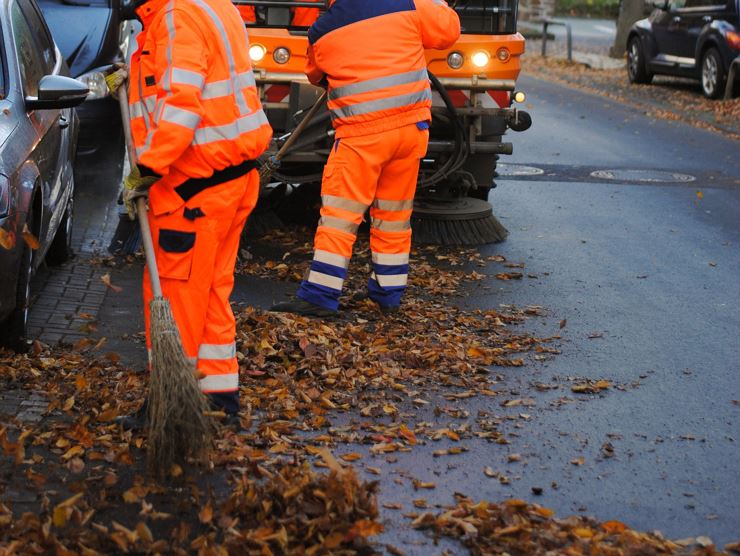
(273, 163)
(177, 422)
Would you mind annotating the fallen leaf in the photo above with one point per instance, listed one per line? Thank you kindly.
(30, 239)
(105, 278)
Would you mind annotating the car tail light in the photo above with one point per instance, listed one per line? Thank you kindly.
(503, 54)
(733, 38)
(455, 60)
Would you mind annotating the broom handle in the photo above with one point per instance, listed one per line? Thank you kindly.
(146, 233)
(300, 127)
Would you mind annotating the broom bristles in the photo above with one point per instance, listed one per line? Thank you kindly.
(179, 427)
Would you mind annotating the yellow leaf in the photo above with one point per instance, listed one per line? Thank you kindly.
(206, 514)
(583, 532)
(364, 528)
(354, 456)
(69, 403)
(59, 518)
(72, 452)
(699, 195)
(544, 512)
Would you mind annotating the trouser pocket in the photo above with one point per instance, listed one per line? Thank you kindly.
(175, 254)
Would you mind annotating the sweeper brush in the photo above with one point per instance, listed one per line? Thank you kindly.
(463, 221)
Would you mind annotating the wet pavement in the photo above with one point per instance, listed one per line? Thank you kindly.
(643, 278)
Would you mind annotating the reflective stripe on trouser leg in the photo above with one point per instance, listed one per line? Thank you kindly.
(335, 236)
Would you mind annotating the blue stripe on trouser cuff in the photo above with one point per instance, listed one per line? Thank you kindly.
(319, 295)
(390, 269)
(385, 297)
(330, 269)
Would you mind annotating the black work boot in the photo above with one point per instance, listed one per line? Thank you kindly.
(135, 421)
(302, 307)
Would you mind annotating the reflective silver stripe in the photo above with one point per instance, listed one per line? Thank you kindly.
(387, 204)
(225, 87)
(440, 2)
(219, 383)
(391, 258)
(218, 352)
(144, 107)
(178, 116)
(390, 280)
(241, 100)
(229, 132)
(166, 78)
(381, 104)
(330, 258)
(339, 224)
(379, 83)
(188, 77)
(322, 279)
(343, 203)
(390, 225)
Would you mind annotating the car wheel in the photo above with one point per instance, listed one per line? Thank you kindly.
(636, 63)
(712, 74)
(60, 250)
(14, 328)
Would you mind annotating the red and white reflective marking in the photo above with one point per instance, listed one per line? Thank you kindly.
(277, 93)
(488, 99)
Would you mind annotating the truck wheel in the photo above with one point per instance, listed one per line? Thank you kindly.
(60, 249)
(637, 70)
(14, 328)
(712, 74)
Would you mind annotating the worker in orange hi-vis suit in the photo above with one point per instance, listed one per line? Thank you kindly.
(371, 55)
(198, 128)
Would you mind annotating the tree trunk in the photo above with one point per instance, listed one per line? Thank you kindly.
(629, 12)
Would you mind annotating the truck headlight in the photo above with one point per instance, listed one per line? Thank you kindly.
(95, 81)
(455, 60)
(281, 55)
(257, 52)
(480, 59)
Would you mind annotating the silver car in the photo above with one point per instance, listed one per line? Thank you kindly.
(38, 132)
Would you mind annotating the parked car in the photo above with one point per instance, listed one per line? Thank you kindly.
(689, 38)
(38, 132)
(89, 35)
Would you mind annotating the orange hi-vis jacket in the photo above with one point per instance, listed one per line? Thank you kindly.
(194, 105)
(372, 55)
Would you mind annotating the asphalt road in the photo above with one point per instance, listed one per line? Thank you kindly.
(652, 268)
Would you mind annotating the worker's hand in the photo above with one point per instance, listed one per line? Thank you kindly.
(134, 186)
(115, 78)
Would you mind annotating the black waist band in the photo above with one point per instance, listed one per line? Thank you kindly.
(191, 187)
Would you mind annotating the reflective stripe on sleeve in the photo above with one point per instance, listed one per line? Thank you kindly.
(339, 224)
(220, 383)
(330, 258)
(390, 280)
(144, 107)
(391, 258)
(225, 87)
(219, 352)
(390, 225)
(381, 104)
(343, 203)
(178, 116)
(379, 83)
(326, 280)
(387, 204)
(187, 77)
(229, 132)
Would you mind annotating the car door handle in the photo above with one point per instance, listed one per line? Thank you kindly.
(63, 122)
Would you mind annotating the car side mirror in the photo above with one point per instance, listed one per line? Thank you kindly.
(57, 91)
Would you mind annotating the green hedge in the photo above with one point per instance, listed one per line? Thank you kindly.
(588, 8)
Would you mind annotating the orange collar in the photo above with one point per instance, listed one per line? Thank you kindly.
(149, 9)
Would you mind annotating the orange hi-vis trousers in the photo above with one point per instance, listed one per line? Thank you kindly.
(196, 249)
(377, 171)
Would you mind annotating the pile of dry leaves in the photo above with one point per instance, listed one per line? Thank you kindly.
(518, 528)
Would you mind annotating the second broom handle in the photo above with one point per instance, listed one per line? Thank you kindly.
(146, 233)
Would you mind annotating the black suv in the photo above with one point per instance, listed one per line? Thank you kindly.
(688, 38)
(90, 35)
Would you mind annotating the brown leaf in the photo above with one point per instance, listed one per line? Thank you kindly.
(105, 278)
(206, 513)
(7, 239)
(30, 239)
